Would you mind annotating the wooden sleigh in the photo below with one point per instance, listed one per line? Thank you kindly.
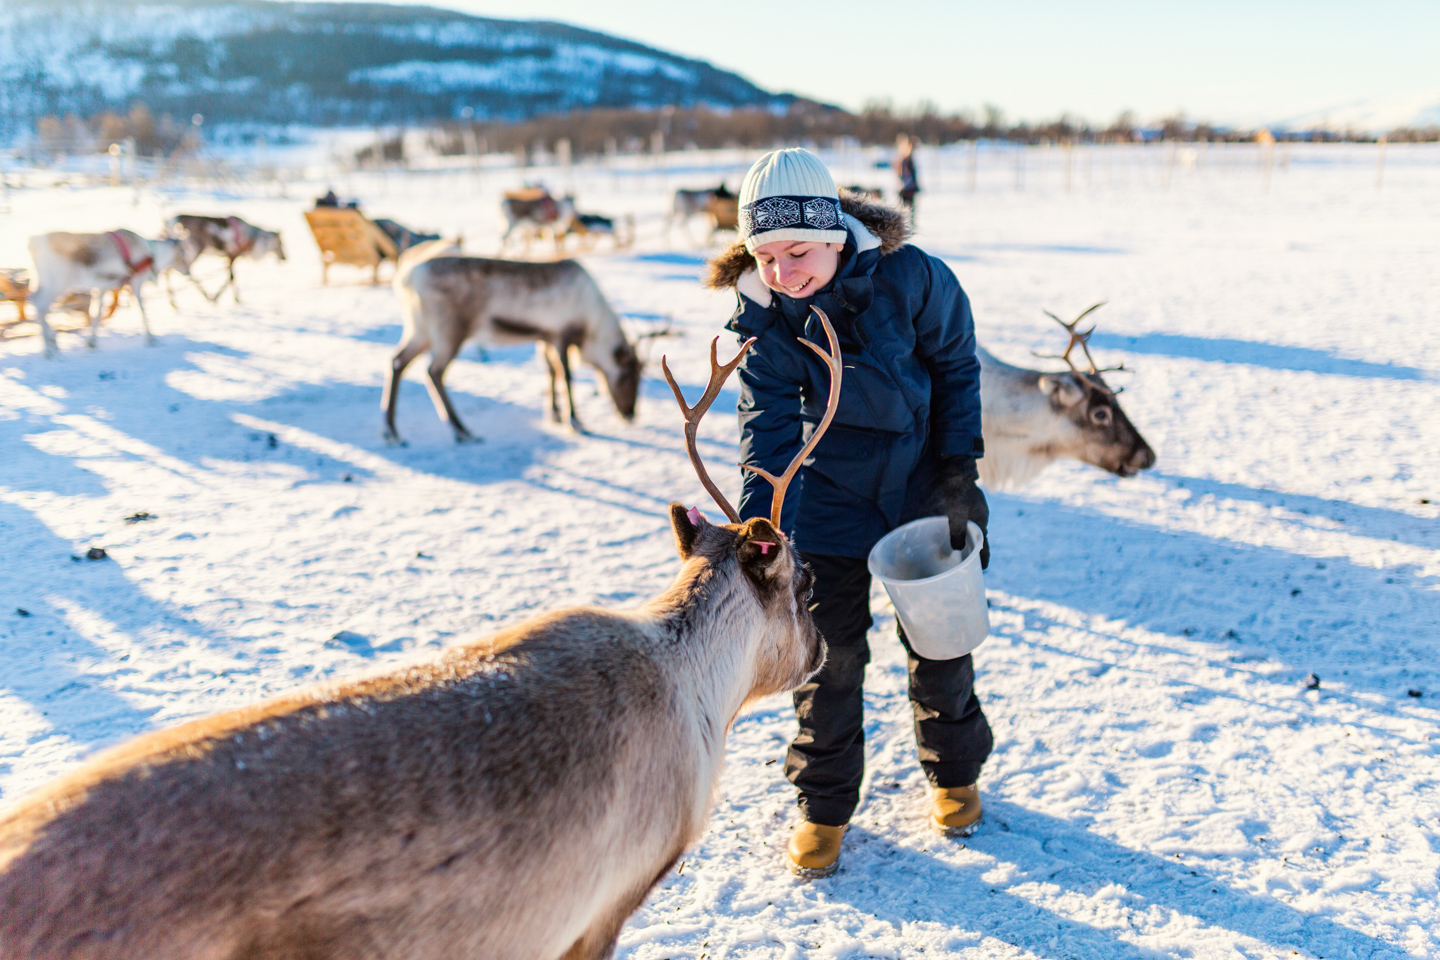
(15, 287)
(345, 235)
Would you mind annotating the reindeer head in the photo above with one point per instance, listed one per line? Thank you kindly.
(1104, 435)
(174, 253)
(268, 241)
(791, 649)
(768, 571)
(623, 380)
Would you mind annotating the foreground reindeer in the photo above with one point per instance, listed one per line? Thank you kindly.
(92, 263)
(229, 237)
(1031, 418)
(448, 299)
(513, 799)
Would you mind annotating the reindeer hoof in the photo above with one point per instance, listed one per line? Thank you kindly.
(392, 439)
(149, 341)
(468, 438)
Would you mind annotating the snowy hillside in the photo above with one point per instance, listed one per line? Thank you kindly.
(328, 63)
(1415, 110)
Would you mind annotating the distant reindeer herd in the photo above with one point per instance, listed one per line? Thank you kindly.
(1031, 418)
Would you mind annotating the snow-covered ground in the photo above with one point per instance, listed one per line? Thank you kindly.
(1164, 783)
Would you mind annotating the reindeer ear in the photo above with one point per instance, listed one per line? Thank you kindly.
(1061, 389)
(687, 531)
(760, 550)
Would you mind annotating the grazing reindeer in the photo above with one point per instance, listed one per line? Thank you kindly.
(1031, 418)
(588, 226)
(90, 263)
(515, 798)
(448, 299)
(534, 212)
(229, 237)
(691, 203)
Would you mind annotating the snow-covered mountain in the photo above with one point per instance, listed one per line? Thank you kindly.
(1415, 110)
(328, 63)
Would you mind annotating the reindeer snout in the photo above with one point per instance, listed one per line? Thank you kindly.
(1142, 459)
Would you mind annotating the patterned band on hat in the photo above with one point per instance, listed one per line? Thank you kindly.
(783, 213)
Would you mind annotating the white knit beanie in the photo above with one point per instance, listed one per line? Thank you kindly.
(789, 195)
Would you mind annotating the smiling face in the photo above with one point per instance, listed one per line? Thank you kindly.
(797, 268)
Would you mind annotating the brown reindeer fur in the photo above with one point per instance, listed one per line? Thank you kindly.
(448, 299)
(892, 226)
(515, 797)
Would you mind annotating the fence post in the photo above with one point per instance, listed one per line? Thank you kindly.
(1266, 139)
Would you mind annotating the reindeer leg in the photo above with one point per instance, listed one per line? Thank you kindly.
(41, 304)
(552, 366)
(388, 399)
(170, 289)
(234, 287)
(564, 352)
(201, 287)
(144, 318)
(97, 309)
(440, 357)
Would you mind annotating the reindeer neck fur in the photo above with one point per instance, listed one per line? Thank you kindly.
(706, 628)
(1022, 435)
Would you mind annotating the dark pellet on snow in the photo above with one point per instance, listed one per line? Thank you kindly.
(140, 517)
(22, 612)
(1416, 693)
(1312, 682)
(349, 479)
(96, 553)
(271, 442)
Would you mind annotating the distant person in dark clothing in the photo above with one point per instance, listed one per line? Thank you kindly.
(905, 169)
(329, 200)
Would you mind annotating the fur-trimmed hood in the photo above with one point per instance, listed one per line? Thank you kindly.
(889, 225)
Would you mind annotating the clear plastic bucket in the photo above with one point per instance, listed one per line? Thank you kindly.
(938, 592)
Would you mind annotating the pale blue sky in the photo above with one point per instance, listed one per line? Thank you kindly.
(1223, 60)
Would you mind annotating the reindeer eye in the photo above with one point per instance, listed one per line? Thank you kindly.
(1100, 415)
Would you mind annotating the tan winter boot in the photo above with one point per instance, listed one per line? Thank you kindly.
(815, 850)
(956, 810)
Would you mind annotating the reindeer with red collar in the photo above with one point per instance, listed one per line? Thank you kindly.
(93, 263)
(231, 238)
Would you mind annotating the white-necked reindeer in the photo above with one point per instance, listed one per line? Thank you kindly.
(534, 212)
(1031, 418)
(448, 299)
(513, 798)
(93, 263)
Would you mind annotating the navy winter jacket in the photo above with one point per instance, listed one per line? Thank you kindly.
(910, 392)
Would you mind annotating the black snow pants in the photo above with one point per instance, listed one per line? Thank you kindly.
(826, 761)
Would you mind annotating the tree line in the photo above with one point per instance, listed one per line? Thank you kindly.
(601, 131)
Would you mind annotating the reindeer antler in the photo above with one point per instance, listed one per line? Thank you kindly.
(1091, 376)
(718, 375)
(782, 483)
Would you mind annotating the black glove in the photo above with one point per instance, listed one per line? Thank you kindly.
(964, 502)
